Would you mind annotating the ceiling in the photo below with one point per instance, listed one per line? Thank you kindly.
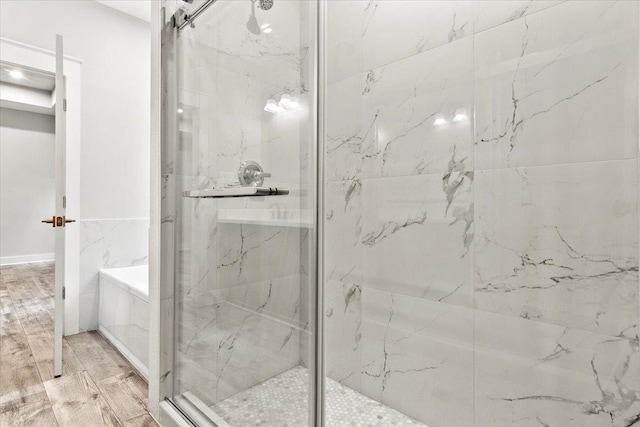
(141, 9)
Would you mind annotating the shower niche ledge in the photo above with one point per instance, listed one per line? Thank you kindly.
(299, 218)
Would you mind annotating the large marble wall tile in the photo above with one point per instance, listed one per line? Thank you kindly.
(253, 253)
(107, 243)
(343, 332)
(238, 124)
(277, 56)
(232, 339)
(559, 244)
(489, 13)
(418, 357)
(277, 298)
(345, 131)
(409, 107)
(197, 64)
(558, 86)
(416, 235)
(393, 29)
(344, 39)
(195, 341)
(533, 373)
(343, 231)
(195, 237)
(252, 348)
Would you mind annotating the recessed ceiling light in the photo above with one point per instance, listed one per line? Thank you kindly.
(267, 30)
(263, 26)
(17, 74)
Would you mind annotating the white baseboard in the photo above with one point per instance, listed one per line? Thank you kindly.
(25, 259)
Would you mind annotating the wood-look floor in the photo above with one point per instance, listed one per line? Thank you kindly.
(98, 386)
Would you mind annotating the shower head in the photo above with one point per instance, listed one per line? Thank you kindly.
(252, 23)
(266, 4)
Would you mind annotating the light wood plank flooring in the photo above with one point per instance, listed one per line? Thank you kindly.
(98, 386)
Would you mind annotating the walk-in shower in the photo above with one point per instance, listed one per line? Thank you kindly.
(391, 213)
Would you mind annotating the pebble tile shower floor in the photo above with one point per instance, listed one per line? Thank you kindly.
(282, 401)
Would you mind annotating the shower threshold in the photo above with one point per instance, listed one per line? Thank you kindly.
(282, 401)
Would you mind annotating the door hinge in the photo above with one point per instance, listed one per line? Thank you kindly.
(64, 292)
(64, 202)
(64, 104)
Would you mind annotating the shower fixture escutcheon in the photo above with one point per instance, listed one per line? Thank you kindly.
(251, 173)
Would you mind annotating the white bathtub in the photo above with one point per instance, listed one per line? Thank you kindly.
(124, 312)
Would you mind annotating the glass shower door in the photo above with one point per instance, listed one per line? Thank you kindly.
(243, 279)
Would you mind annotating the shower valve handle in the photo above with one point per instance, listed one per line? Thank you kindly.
(251, 173)
(255, 175)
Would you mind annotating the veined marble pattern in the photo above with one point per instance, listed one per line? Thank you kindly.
(107, 243)
(549, 283)
(345, 131)
(254, 253)
(387, 34)
(282, 401)
(416, 235)
(401, 105)
(236, 338)
(418, 357)
(241, 282)
(532, 373)
(344, 231)
(530, 322)
(551, 93)
(559, 244)
(490, 13)
(343, 332)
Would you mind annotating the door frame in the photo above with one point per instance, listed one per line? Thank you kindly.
(45, 60)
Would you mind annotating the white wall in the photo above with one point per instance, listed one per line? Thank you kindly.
(27, 185)
(115, 51)
(114, 178)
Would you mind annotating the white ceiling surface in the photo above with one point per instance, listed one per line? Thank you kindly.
(141, 9)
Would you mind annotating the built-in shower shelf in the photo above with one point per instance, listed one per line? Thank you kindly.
(299, 218)
(221, 193)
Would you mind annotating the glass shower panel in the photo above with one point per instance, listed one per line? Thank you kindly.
(481, 225)
(243, 279)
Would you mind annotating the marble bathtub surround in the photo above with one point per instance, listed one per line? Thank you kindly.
(107, 243)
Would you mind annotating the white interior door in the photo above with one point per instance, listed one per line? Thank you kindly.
(59, 220)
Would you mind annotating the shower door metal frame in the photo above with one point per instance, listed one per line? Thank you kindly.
(167, 28)
(318, 127)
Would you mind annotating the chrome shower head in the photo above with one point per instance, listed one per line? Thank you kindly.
(266, 4)
(252, 23)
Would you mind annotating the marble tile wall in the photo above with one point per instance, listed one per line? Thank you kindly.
(482, 212)
(107, 243)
